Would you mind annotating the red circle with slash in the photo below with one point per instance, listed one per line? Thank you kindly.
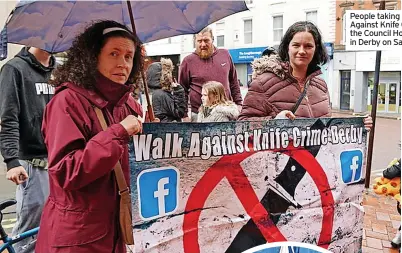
(248, 198)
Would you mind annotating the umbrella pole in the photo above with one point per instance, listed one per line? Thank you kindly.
(149, 105)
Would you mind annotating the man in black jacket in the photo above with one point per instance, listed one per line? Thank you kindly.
(24, 93)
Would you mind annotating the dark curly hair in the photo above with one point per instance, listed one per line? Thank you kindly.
(320, 54)
(81, 67)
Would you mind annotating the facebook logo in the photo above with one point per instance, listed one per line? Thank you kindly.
(158, 191)
(351, 165)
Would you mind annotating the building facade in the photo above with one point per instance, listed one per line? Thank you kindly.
(353, 71)
(5, 10)
(246, 34)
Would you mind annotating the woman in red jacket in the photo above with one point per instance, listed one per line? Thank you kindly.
(280, 79)
(82, 211)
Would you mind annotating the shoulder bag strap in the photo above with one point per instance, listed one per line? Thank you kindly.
(121, 182)
(302, 95)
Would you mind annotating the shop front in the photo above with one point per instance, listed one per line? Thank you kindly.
(389, 91)
(389, 85)
(242, 58)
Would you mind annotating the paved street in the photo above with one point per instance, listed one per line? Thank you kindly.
(381, 219)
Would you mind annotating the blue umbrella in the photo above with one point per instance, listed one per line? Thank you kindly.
(52, 25)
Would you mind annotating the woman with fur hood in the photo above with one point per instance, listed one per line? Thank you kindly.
(215, 106)
(279, 80)
(168, 99)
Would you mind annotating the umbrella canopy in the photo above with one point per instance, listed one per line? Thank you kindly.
(52, 25)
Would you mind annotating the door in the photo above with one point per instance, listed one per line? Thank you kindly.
(382, 90)
(345, 90)
(392, 104)
(388, 97)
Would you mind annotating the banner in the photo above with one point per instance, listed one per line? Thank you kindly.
(229, 187)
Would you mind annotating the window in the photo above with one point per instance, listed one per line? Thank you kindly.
(220, 34)
(311, 16)
(344, 29)
(220, 40)
(220, 26)
(248, 31)
(391, 6)
(278, 27)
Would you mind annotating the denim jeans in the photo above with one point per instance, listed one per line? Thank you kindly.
(31, 196)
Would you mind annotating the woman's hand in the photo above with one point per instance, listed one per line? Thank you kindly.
(285, 115)
(132, 125)
(368, 122)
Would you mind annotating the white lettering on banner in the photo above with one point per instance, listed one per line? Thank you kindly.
(142, 147)
(157, 145)
(354, 166)
(44, 88)
(223, 189)
(177, 146)
(161, 193)
(194, 150)
(373, 29)
(230, 144)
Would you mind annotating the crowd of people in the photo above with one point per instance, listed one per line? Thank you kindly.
(62, 160)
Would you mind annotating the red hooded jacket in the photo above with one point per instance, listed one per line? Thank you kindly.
(81, 213)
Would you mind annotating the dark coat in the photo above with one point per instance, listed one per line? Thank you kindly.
(169, 106)
(393, 170)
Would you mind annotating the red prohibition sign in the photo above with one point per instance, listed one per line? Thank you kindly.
(245, 193)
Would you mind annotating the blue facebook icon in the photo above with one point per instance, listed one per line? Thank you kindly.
(351, 165)
(158, 192)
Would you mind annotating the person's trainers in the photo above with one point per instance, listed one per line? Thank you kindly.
(396, 242)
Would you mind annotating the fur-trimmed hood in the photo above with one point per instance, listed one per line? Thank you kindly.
(160, 74)
(167, 74)
(271, 64)
(275, 65)
(219, 113)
